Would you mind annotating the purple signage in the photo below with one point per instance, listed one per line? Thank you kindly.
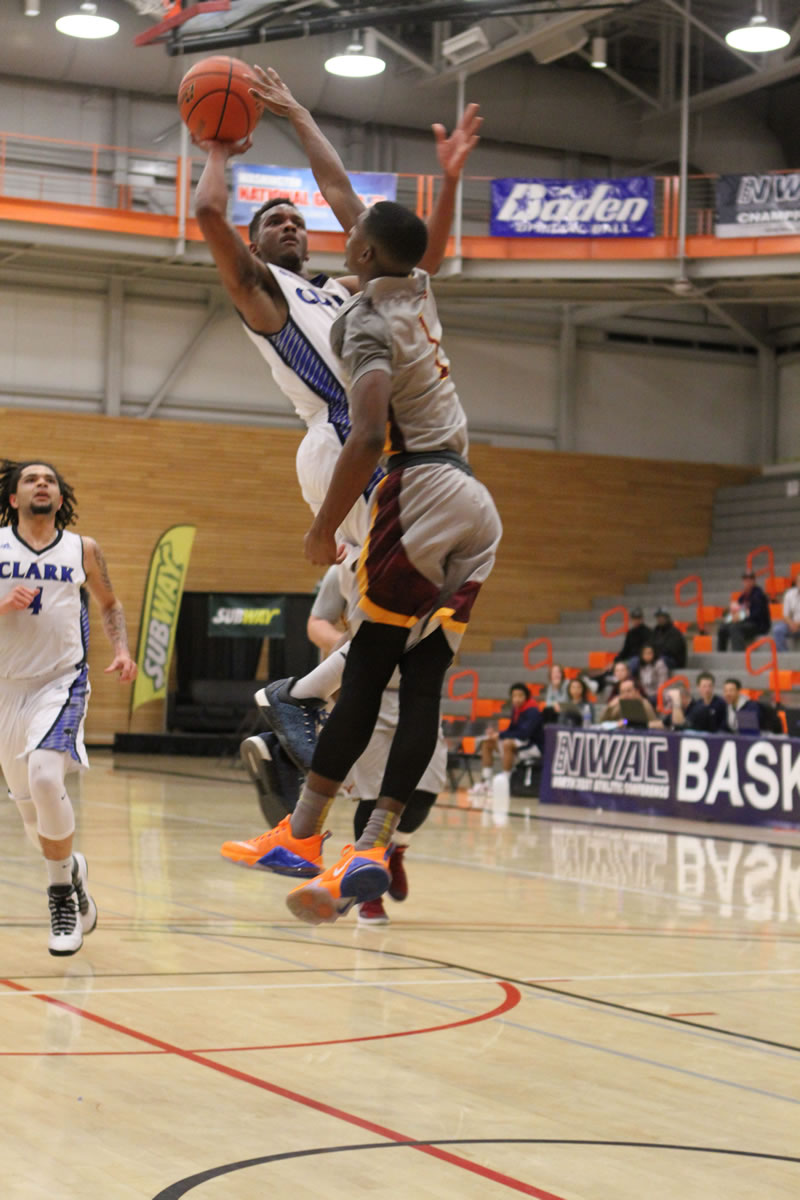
(714, 777)
(612, 208)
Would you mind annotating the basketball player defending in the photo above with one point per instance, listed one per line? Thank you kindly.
(44, 675)
(433, 536)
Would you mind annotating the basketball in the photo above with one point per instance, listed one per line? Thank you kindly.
(215, 102)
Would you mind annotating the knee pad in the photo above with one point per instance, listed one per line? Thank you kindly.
(55, 818)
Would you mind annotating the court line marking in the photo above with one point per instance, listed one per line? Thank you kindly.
(320, 1106)
(176, 1190)
(513, 996)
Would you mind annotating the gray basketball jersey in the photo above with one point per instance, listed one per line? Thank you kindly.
(393, 326)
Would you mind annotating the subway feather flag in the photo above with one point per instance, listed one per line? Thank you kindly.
(162, 603)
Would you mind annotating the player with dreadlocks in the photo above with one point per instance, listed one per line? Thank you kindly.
(44, 674)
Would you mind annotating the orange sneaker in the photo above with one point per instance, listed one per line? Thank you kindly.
(359, 875)
(280, 851)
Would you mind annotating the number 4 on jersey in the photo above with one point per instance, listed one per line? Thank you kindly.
(36, 603)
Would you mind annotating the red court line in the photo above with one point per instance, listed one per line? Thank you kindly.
(512, 994)
(511, 1001)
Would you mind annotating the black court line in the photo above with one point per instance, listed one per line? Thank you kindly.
(175, 1190)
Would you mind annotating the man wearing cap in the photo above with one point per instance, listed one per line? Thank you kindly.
(668, 641)
(638, 633)
(748, 618)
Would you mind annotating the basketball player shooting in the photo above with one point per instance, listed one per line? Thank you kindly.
(44, 674)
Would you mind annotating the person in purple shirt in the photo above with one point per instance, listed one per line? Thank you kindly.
(748, 619)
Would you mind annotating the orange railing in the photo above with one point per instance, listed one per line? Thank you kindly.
(136, 189)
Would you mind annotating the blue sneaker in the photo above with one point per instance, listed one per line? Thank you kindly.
(294, 722)
(276, 778)
(358, 876)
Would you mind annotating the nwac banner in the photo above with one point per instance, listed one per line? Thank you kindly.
(162, 603)
(758, 205)
(255, 185)
(611, 208)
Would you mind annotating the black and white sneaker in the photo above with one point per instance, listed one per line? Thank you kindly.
(276, 778)
(66, 935)
(86, 905)
(294, 722)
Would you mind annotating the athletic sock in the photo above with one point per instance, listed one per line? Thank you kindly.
(379, 829)
(324, 680)
(59, 871)
(310, 813)
(487, 774)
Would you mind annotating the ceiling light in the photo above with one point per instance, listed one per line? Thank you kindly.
(759, 35)
(599, 56)
(86, 23)
(359, 60)
(31, 8)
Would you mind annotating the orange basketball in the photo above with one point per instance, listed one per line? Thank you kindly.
(215, 101)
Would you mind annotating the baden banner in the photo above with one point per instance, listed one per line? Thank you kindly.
(255, 185)
(594, 208)
(162, 602)
(758, 205)
(709, 778)
(246, 616)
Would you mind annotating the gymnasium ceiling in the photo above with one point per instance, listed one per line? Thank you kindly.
(743, 111)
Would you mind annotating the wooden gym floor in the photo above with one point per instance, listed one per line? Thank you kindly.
(570, 1005)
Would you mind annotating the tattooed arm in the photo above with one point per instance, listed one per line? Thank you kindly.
(99, 585)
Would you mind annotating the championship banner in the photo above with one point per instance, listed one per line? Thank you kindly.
(746, 780)
(162, 603)
(757, 205)
(255, 185)
(246, 616)
(612, 208)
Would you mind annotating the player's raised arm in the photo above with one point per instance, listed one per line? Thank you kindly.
(99, 584)
(247, 281)
(452, 152)
(323, 159)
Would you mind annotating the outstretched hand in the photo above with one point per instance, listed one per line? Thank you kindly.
(226, 149)
(271, 92)
(124, 664)
(453, 151)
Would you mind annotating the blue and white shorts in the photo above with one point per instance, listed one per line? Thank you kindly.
(42, 714)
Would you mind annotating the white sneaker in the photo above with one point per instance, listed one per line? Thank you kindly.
(86, 905)
(66, 934)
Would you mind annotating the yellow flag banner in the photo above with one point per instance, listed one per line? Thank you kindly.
(162, 603)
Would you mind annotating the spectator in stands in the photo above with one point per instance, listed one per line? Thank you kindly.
(668, 641)
(789, 627)
(652, 672)
(629, 691)
(525, 729)
(638, 633)
(706, 714)
(578, 694)
(555, 695)
(748, 618)
(735, 705)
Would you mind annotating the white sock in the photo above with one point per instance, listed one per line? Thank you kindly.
(59, 872)
(324, 680)
(401, 839)
(486, 774)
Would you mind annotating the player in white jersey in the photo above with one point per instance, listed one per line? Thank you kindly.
(44, 674)
(433, 536)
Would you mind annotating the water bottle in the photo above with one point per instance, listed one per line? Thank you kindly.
(501, 796)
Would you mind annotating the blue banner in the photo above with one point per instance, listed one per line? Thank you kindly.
(254, 185)
(612, 208)
(745, 780)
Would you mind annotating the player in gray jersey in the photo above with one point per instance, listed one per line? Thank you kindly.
(433, 536)
(44, 675)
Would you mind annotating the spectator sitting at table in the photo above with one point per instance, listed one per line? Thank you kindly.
(735, 705)
(555, 694)
(638, 633)
(668, 641)
(578, 694)
(748, 617)
(652, 672)
(525, 729)
(706, 714)
(629, 691)
(789, 627)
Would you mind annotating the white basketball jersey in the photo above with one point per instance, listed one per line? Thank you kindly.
(51, 635)
(300, 356)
